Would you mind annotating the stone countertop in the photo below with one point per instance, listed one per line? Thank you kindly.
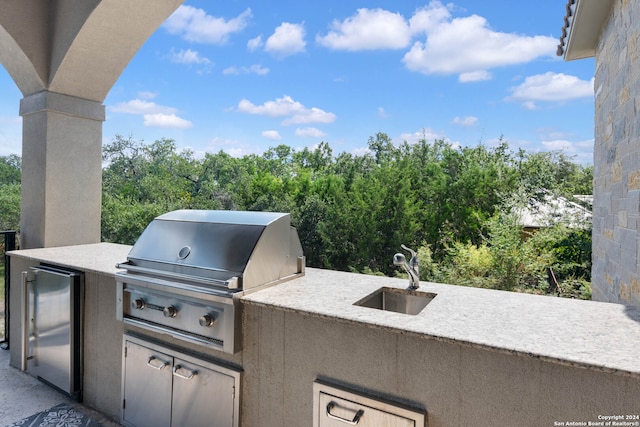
(95, 257)
(588, 334)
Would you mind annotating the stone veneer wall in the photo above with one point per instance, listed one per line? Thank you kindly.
(616, 209)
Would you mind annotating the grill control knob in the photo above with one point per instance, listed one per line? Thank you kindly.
(138, 304)
(170, 311)
(206, 320)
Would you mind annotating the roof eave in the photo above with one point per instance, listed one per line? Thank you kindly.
(584, 30)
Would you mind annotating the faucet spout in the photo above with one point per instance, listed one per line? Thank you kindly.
(412, 267)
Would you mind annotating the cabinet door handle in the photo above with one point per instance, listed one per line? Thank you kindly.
(354, 421)
(159, 365)
(190, 374)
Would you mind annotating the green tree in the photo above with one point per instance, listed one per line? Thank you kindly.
(542, 172)
(353, 212)
(9, 206)
(141, 181)
(10, 171)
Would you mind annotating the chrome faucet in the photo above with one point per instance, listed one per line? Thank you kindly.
(412, 267)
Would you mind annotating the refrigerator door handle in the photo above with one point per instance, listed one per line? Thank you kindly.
(26, 321)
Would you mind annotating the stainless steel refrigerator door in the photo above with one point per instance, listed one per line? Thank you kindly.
(53, 331)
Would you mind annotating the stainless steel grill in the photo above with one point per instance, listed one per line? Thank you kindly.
(188, 268)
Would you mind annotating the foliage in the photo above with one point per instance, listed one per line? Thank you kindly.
(9, 206)
(554, 172)
(123, 220)
(353, 212)
(473, 265)
(10, 169)
(509, 260)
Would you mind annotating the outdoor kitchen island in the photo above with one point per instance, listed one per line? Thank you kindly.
(471, 357)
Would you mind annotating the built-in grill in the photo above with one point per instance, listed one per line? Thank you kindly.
(187, 270)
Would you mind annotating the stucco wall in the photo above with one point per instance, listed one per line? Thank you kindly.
(102, 346)
(616, 209)
(285, 352)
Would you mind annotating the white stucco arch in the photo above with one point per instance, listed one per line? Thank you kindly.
(22, 56)
(75, 47)
(65, 56)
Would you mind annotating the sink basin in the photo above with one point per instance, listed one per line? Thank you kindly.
(404, 301)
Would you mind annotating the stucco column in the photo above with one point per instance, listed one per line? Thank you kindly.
(61, 170)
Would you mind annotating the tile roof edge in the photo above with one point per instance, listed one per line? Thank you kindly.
(565, 27)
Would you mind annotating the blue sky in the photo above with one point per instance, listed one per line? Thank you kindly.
(245, 76)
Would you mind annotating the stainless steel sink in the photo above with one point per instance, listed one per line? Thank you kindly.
(404, 301)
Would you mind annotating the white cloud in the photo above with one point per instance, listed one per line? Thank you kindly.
(468, 46)
(360, 151)
(550, 139)
(382, 114)
(194, 25)
(427, 134)
(188, 56)
(475, 76)
(273, 135)
(288, 39)
(252, 69)
(255, 43)
(581, 151)
(294, 111)
(280, 107)
(232, 147)
(310, 132)
(551, 87)
(140, 106)
(428, 18)
(154, 115)
(467, 121)
(166, 121)
(552, 133)
(437, 42)
(557, 144)
(147, 94)
(312, 115)
(368, 29)
(238, 152)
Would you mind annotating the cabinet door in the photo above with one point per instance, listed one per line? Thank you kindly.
(202, 396)
(147, 387)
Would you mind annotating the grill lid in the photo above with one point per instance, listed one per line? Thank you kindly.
(242, 249)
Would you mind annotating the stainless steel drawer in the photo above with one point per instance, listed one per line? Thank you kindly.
(336, 407)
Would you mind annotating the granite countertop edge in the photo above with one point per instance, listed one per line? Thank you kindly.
(98, 258)
(586, 334)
